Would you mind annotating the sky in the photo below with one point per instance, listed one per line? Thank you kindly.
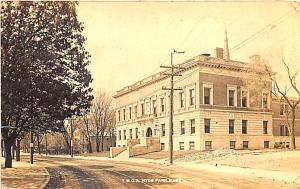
(128, 41)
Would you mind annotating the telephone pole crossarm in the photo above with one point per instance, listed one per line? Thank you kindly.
(171, 89)
(175, 89)
(175, 74)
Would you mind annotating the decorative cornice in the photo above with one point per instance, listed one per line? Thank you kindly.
(197, 61)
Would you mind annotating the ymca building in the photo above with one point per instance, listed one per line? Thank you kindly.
(217, 108)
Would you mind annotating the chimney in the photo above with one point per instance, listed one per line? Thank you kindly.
(219, 52)
(255, 59)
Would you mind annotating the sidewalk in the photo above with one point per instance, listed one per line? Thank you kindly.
(23, 175)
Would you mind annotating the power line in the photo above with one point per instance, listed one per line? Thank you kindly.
(271, 25)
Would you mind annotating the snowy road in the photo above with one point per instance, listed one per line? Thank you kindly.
(89, 174)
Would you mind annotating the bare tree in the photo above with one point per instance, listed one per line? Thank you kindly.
(86, 130)
(282, 91)
(68, 132)
(101, 117)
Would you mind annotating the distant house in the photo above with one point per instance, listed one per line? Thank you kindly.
(280, 110)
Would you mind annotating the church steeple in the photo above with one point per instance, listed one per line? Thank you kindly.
(226, 48)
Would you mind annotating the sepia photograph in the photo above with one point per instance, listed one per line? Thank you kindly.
(150, 94)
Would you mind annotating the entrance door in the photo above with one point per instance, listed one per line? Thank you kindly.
(149, 132)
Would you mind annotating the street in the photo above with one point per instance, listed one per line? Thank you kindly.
(89, 174)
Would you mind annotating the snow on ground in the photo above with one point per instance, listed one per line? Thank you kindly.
(23, 175)
(276, 160)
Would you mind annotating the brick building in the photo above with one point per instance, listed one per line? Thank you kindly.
(217, 107)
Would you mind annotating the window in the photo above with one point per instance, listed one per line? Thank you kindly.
(119, 115)
(245, 144)
(120, 134)
(281, 109)
(231, 97)
(182, 129)
(281, 130)
(208, 145)
(154, 106)
(232, 144)
(154, 132)
(192, 97)
(162, 103)
(244, 126)
(130, 133)
(181, 100)
(266, 144)
(124, 134)
(192, 145)
(130, 111)
(244, 98)
(192, 126)
(143, 133)
(207, 125)
(265, 100)
(136, 133)
(162, 146)
(147, 108)
(286, 131)
(231, 126)
(181, 145)
(286, 109)
(135, 111)
(124, 114)
(163, 130)
(142, 109)
(207, 95)
(265, 127)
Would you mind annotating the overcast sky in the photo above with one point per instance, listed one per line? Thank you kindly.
(130, 40)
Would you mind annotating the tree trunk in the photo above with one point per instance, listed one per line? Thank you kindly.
(102, 142)
(90, 150)
(39, 144)
(46, 144)
(293, 139)
(97, 140)
(18, 154)
(13, 149)
(8, 158)
(2, 148)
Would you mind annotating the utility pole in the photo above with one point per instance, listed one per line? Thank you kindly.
(46, 144)
(31, 146)
(171, 89)
(71, 125)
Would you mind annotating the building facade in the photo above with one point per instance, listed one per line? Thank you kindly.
(281, 116)
(217, 108)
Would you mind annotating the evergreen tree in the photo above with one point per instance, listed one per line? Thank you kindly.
(44, 76)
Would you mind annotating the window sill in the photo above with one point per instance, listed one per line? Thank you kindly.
(207, 104)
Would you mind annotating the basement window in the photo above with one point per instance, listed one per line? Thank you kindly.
(192, 145)
(266, 144)
(232, 144)
(208, 145)
(245, 145)
(181, 145)
(162, 146)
